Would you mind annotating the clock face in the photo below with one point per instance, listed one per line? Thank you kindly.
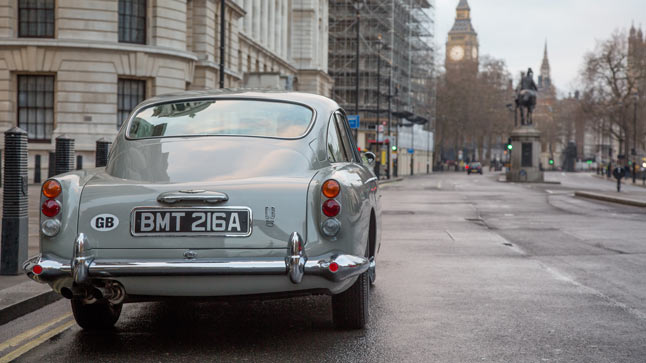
(474, 53)
(457, 53)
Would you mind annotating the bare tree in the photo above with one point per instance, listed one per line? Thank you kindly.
(610, 87)
(471, 109)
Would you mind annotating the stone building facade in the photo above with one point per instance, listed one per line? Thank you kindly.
(77, 68)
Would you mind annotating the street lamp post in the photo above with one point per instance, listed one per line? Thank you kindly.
(379, 45)
(412, 156)
(634, 151)
(358, 4)
(390, 117)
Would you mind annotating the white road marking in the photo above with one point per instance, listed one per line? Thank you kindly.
(563, 277)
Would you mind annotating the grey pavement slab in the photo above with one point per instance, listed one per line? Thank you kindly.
(23, 298)
(18, 294)
(630, 198)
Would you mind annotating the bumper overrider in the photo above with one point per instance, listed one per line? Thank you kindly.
(84, 267)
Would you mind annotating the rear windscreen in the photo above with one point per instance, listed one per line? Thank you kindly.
(221, 117)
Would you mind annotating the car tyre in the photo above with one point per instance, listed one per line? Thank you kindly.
(98, 316)
(350, 309)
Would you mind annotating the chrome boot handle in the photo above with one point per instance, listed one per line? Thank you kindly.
(192, 196)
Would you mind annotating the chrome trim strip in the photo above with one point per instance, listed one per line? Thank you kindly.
(197, 267)
(55, 268)
(374, 178)
(194, 234)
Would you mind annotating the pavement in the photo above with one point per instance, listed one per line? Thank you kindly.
(630, 194)
(18, 294)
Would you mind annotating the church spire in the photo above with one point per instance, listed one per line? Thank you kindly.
(545, 66)
(463, 5)
(545, 79)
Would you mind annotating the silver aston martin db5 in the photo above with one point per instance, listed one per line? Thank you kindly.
(216, 194)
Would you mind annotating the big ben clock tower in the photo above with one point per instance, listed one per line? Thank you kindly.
(462, 44)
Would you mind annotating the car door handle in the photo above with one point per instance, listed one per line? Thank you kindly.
(203, 196)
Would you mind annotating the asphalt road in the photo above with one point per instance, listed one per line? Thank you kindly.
(470, 270)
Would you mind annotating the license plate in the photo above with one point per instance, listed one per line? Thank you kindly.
(230, 222)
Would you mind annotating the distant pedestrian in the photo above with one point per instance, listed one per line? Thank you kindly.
(608, 170)
(619, 173)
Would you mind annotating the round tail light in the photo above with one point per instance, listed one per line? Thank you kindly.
(331, 188)
(331, 208)
(51, 208)
(334, 267)
(52, 188)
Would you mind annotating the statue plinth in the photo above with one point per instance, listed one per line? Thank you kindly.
(525, 155)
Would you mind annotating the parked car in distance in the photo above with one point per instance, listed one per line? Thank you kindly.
(474, 167)
(216, 194)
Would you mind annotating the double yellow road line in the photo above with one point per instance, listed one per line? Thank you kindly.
(34, 337)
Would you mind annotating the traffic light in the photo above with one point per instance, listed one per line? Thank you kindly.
(509, 147)
(551, 161)
(394, 148)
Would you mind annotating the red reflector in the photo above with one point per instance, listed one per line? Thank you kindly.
(331, 208)
(51, 208)
(334, 267)
(38, 269)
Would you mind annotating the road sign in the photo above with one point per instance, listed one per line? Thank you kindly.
(353, 120)
(411, 151)
(381, 128)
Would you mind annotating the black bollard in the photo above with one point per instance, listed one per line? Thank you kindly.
(15, 219)
(51, 165)
(64, 155)
(102, 151)
(37, 170)
(79, 162)
(0, 168)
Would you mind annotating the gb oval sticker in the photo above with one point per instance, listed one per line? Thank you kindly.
(104, 222)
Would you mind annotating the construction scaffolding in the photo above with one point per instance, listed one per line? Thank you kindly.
(407, 59)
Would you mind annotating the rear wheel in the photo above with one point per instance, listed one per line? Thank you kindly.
(97, 316)
(350, 308)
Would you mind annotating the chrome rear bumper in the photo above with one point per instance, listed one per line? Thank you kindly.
(83, 267)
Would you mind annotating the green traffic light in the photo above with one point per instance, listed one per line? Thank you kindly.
(509, 147)
(551, 162)
(394, 148)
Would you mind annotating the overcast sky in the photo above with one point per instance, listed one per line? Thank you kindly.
(516, 30)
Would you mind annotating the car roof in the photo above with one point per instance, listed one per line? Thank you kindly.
(315, 101)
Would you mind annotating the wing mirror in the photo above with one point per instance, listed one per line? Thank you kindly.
(370, 157)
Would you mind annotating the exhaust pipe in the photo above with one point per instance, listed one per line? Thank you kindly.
(112, 291)
(67, 293)
(78, 293)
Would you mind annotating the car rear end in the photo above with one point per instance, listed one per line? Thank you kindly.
(196, 215)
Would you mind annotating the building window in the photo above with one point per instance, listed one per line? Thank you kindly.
(132, 21)
(130, 93)
(36, 106)
(36, 18)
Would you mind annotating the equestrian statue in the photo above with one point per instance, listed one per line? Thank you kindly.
(525, 98)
